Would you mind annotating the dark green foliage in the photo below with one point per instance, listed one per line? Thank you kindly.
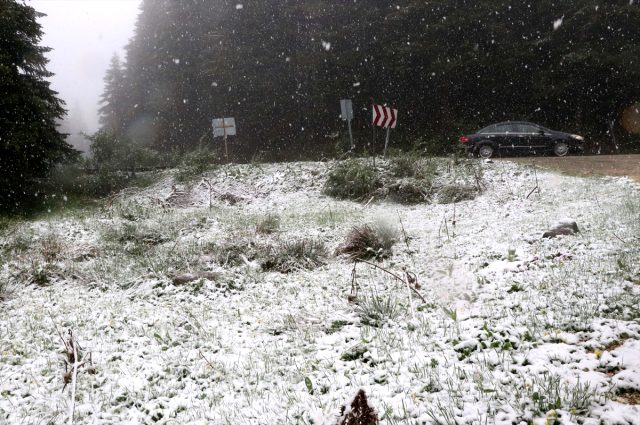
(353, 179)
(30, 143)
(113, 100)
(113, 165)
(194, 164)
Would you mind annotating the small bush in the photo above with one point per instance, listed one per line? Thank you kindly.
(409, 191)
(412, 165)
(196, 163)
(453, 193)
(304, 254)
(366, 242)
(352, 179)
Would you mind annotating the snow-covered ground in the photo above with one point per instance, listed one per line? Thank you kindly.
(516, 328)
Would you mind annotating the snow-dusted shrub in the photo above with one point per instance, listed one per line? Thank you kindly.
(196, 163)
(412, 165)
(452, 193)
(409, 191)
(289, 256)
(369, 241)
(353, 179)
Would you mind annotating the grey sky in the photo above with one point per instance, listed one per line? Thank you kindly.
(84, 34)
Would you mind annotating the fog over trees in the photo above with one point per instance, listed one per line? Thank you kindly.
(280, 67)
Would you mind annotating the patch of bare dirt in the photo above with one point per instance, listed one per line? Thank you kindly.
(596, 165)
(629, 397)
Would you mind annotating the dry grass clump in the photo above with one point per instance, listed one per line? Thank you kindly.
(369, 241)
(291, 256)
(268, 225)
(238, 252)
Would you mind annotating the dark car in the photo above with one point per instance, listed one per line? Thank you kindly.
(520, 137)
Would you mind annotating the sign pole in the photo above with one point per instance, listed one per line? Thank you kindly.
(351, 135)
(373, 136)
(226, 147)
(386, 142)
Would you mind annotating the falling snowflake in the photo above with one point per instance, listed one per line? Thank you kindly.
(557, 23)
(326, 45)
(176, 61)
(239, 6)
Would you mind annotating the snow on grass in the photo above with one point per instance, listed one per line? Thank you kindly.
(516, 328)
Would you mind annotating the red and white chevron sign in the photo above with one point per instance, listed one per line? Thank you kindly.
(385, 117)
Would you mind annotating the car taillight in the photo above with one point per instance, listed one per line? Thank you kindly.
(464, 139)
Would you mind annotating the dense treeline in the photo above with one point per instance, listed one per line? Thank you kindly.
(450, 66)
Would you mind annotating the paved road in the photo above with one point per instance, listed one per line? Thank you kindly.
(596, 165)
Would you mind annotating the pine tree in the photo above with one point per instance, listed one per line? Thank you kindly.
(113, 100)
(30, 143)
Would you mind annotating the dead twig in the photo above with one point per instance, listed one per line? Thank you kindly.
(535, 173)
(411, 282)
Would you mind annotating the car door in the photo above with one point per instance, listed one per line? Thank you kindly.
(537, 138)
(507, 137)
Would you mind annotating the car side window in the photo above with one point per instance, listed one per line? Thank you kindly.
(531, 129)
(490, 129)
(507, 128)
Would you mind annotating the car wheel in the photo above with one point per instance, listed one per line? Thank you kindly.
(561, 149)
(485, 151)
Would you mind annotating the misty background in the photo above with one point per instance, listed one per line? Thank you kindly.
(84, 35)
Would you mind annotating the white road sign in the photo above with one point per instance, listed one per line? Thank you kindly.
(223, 127)
(346, 109)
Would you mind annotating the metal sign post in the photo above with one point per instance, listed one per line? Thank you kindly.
(346, 111)
(386, 143)
(223, 127)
